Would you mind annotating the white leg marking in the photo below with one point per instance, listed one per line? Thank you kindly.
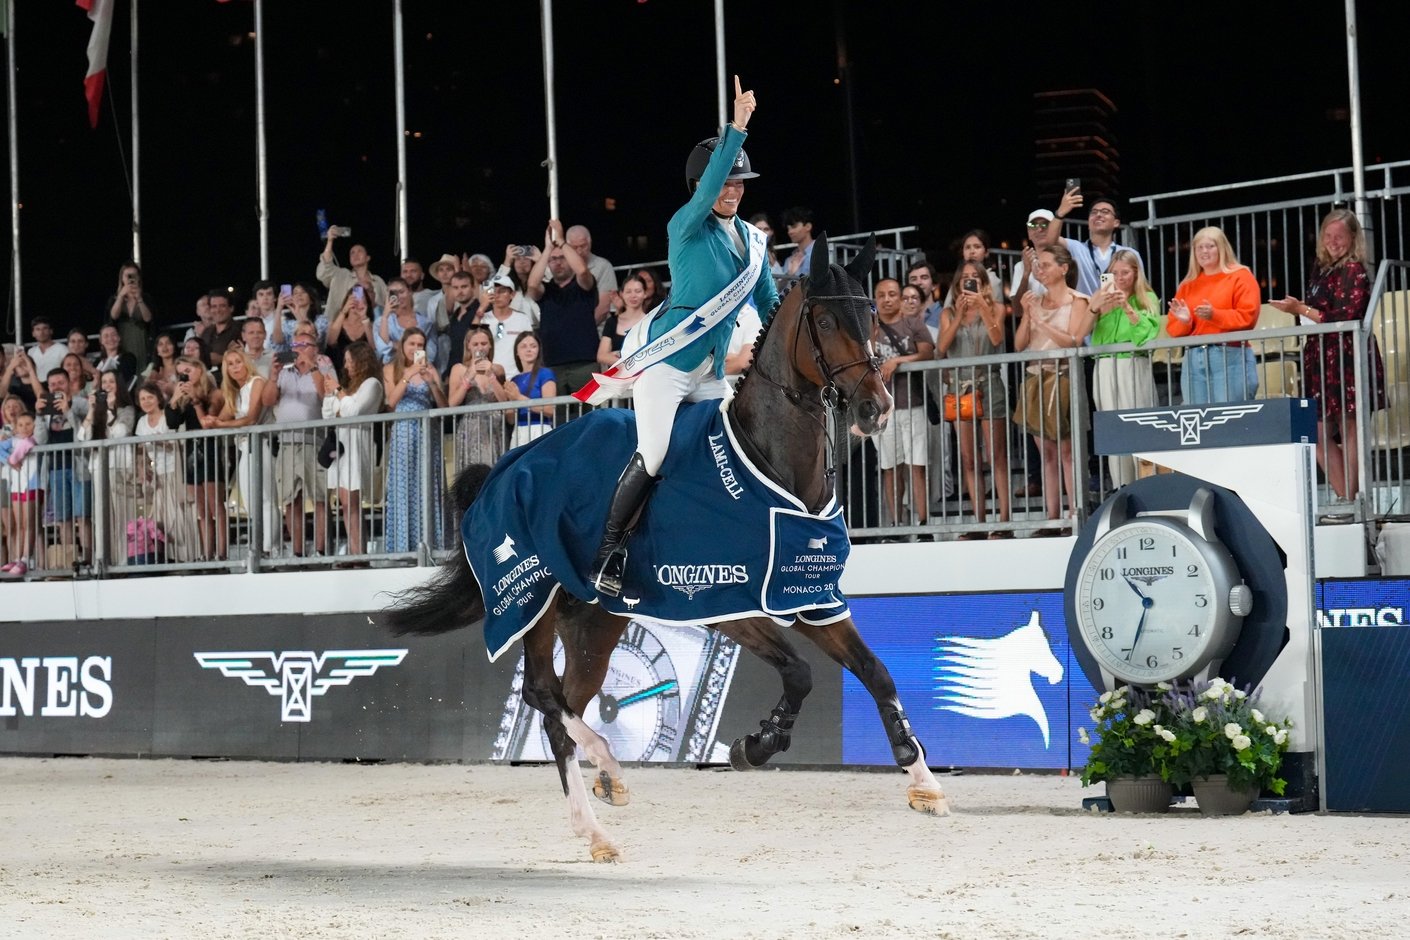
(594, 745)
(584, 821)
(924, 793)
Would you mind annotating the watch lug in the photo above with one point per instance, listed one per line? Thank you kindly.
(1210, 670)
(1201, 514)
(1113, 514)
(1109, 682)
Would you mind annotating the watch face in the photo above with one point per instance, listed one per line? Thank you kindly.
(1151, 601)
(659, 701)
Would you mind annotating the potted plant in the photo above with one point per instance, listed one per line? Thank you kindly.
(1225, 747)
(1132, 748)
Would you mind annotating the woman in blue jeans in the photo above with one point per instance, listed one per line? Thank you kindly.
(1218, 295)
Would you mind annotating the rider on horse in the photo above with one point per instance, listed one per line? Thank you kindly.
(718, 262)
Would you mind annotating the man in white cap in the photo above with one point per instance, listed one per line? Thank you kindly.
(505, 323)
(1037, 237)
(442, 270)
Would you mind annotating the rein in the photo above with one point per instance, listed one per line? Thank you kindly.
(831, 397)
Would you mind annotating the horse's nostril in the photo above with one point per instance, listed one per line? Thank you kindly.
(868, 410)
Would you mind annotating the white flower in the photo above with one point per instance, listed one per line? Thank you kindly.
(1163, 686)
(1104, 697)
(1096, 715)
(1231, 730)
(1240, 694)
(1199, 715)
(1144, 717)
(1214, 693)
(1082, 736)
(1258, 718)
(1271, 731)
(1280, 738)
(1169, 736)
(1241, 741)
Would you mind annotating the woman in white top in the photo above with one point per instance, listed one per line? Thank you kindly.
(244, 406)
(351, 469)
(1060, 319)
(161, 467)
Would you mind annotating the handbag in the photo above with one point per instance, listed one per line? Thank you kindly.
(329, 450)
(1044, 410)
(965, 406)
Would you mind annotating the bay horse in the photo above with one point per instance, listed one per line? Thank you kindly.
(813, 358)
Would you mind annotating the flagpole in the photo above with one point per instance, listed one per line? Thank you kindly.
(261, 167)
(402, 250)
(721, 81)
(136, 153)
(1358, 157)
(14, 172)
(546, 14)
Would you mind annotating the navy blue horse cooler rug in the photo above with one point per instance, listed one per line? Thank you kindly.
(718, 540)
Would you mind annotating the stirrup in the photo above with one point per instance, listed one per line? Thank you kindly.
(609, 575)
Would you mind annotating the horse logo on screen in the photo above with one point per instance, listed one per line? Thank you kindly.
(992, 678)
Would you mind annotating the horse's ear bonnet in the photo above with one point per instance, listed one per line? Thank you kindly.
(845, 286)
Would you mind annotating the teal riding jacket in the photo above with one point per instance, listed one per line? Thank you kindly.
(703, 261)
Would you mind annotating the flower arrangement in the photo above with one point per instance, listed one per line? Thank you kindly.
(1183, 733)
(1131, 738)
(1219, 729)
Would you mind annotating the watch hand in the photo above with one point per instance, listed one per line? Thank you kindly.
(657, 689)
(1132, 585)
(1140, 626)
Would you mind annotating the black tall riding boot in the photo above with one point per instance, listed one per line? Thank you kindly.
(633, 489)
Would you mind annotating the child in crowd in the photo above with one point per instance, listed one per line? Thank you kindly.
(21, 469)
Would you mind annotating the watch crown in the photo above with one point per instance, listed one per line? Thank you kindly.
(1240, 600)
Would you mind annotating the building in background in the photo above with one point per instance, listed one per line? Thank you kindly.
(1072, 137)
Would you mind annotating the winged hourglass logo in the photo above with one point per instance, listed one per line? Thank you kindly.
(298, 675)
(1189, 423)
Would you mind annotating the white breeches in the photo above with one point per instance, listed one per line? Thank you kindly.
(658, 393)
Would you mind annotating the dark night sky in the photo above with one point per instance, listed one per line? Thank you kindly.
(941, 97)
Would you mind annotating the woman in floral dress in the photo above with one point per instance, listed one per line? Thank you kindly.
(412, 386)
(1339, 291)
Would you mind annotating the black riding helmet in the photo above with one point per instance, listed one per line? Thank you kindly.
(700, 156)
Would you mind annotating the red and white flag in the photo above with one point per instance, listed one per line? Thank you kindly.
(101, 13)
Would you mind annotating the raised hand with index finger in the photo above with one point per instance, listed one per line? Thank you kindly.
(744, 105)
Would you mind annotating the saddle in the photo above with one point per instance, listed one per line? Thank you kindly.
(717, 541)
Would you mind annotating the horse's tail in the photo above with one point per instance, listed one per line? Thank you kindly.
(451, 598)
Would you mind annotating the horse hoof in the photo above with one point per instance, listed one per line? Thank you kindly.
(929, 800)
(610, 791)
(738, 759)
(605, 852)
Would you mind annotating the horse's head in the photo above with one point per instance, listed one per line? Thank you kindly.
(837, 315)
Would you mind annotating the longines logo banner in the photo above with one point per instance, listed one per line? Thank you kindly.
(1231, 424)
(60, 686)
(296, 677)
(988, 680)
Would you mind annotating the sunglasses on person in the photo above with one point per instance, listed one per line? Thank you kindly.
(297, 345)
(1040, 223)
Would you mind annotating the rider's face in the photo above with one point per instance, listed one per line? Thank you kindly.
(731, 194)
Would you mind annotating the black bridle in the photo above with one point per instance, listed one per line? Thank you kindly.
(830, 395)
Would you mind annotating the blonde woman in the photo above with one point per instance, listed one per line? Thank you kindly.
(1126, 312)
(477, 379)
(1339, 291)
(1060, 319)
(243, 388)
(1218, 295)
(350, 471)
(973, 327)
(195, 399)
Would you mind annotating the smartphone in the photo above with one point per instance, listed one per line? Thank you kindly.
(285, 290)
(970, 284)
(1071, 184)
(341, 231)
(419, 357)
(359, 293)
(479, 355)
(284, 357)
(1107, 278)
(523, 251)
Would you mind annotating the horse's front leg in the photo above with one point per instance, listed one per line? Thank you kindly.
(766, 639)
(589, 637)
(844, 644)
(544, 691)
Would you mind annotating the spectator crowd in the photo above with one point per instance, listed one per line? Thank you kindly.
(492, 341)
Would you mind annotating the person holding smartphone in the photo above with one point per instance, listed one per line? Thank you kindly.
(1127, 311)
(1092, 254)
(397, 317)
(413, 385)
(476, 380)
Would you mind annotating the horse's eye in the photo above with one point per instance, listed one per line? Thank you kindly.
(825, 322)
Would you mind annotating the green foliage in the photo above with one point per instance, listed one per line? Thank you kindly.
(1180, 733)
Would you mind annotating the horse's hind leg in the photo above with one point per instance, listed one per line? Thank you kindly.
(843, 643)
(590, 634)
(766, 639)
(544, 691)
